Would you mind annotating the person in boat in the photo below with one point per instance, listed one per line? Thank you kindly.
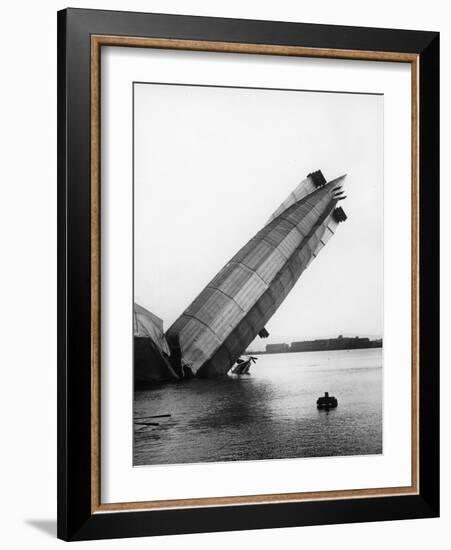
(327, 401)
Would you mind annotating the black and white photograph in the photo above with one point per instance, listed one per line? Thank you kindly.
(223, 221)
(258, 273)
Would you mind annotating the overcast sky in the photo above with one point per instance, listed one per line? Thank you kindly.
(211, 165)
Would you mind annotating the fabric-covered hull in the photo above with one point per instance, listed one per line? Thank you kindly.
(235, 306)
(150, 365)
(258, 316)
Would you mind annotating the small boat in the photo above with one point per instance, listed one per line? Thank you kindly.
(327, 401)
(243, 365)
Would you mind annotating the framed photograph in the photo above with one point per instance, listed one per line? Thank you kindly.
(248, 274)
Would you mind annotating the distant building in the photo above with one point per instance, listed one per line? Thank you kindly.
(341, 342)
(277, 348)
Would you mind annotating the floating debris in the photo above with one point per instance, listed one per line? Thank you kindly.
(243, 365)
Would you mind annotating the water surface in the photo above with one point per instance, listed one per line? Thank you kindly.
(268, 414)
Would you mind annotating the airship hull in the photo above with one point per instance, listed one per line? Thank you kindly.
(235, 306)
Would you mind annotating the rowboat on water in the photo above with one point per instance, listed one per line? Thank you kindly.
(327, 401)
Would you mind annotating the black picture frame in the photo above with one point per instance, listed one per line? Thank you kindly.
(76, 521)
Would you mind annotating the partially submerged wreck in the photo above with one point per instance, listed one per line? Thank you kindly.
(217, 327)
(151, 351)
(243, 365)
(235, 306)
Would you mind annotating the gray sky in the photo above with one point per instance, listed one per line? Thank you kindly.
(211, 165)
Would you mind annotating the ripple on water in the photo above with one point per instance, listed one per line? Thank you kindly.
(270, 414)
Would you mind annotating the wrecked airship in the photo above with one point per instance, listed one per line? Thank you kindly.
(218, 326)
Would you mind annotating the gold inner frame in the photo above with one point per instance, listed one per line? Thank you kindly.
(97, 41)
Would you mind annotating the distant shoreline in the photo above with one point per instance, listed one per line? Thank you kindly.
(251, 352)
(331, 344)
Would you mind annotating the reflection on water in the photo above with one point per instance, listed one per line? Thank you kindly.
(270, 413)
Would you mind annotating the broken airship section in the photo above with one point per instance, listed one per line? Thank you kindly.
(213, 332)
